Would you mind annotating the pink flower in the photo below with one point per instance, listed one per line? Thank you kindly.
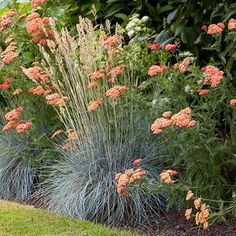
(115, 92)
(153, 46)
(4, 86)
(23, 126)
(167, 114)
(216, 28)
(212, 75)
(137, 162)
(203, 91)
(233, 102)
(8, 81)
(232, 24)
(154, 70)
(204, 27)
(170, 47)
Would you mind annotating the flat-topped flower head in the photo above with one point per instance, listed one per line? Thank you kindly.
(115, 92)
(232, 24)
(215, 28)
(94, 105)
(154, 70)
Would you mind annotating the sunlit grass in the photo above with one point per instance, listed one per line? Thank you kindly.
(25, 220)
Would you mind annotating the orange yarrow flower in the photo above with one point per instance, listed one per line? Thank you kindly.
(189, 195)
(215, 28)
(115, 92)
(188, 213)
(93, 105)
(232, 24)
(154, 70)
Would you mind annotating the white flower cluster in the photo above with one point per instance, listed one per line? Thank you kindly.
(136, 25)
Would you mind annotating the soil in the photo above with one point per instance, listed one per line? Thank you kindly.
(174, 224)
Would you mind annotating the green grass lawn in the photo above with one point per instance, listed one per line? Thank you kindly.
(17, 220)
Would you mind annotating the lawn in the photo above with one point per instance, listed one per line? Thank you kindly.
(16, 219)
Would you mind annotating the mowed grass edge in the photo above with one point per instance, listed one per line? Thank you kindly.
(23, 220)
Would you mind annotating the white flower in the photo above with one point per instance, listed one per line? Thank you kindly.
(131, 33)
(187, 88)
(145, 19)
(137, 29)
(199, 82)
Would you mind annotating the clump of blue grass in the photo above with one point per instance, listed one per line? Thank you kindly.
(82, 184)
(17, 177)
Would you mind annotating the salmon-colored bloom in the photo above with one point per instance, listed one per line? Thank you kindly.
(56, 99)
(10, 125)
(188, 213)
(154, 70)
(189, 195)
(137, 162)
(204, 27)
(36, 3)
(183, 118)
(115, 92)
(14, 114)
(22, 126)
(197, 203)
(203, 91)
(6, 19)
(166, 114)
(9, 54)
(212, 75)
(215, 28)
(4, 86)
(159, 124)
(202, 216)
(56, 133)
(93, 105)
(8, 81)
(97, 75)
(17, 91)
(166, 176)
(92, 85)
(232, 24)
(153, 46)
(183, 66)
(232, 102)
(111, 41)
(37, 90)
(36, 74)
(116, 70)
(170, 47)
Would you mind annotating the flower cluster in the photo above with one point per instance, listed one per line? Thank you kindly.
(166, 176)
(180, 119)
(36, 74)
(115, 91)
(111, 41)
(6, 84)
(36, 3)
(93, 105)
(14, 123)
(136, 25)
(212, 75)
(97, 75)
(72, 137)
(215, 28)
(130, 176)
(38, 28)
(9, 54)
(183, 66)
(6, 19)
(232, 24)
(154, 70)
(153, 46)
(202, 216)
(233, 102)
(114, 72)
(56, 99)
(170, 47)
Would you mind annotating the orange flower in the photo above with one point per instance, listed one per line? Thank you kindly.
(9, 125)
(92, 85)
(165, 176)
(37, 90)
(59, 131)
(159, 124)
(233, 102)
(97, 75)
(183, 66)
(183, 119)
(115, 92)
(93, 105)
(154, 70)
(22, 126)
(4, 86)
(56, 99)
(36, 3)
(202, 216)
(116, 70)
(197, 203)
(188, 213)
(17, 91)
(14, 114)
(203, 91)
(72, 135)
(189, 195)
(232, 24)
(111, 41)
(215, 28)
(166, 114)
(6, 19)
